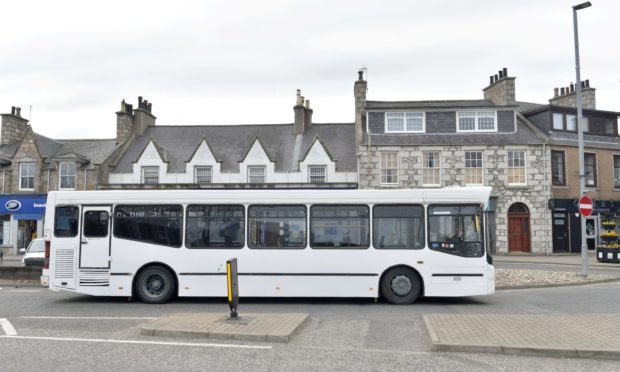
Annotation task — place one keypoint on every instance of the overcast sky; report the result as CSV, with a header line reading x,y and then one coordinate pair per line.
x,y
236,62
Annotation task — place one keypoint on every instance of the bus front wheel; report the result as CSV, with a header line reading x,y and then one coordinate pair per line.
x,y
155,285
401,286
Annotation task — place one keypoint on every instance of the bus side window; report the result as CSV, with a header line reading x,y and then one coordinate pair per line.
x,y
339,226
398,226
66,221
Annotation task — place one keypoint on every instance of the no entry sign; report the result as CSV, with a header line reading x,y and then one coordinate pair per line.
x,y
585,206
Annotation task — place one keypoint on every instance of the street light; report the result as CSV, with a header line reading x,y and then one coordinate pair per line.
x,y
582,175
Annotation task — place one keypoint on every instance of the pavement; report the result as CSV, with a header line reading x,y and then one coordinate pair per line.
x,y
250,327
554,259
566,336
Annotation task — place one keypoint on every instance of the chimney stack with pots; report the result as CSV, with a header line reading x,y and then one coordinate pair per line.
x,y
133,122
501,90
14,127
359,92
568,96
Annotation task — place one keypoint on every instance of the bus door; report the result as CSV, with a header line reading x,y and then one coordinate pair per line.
x,y
95,237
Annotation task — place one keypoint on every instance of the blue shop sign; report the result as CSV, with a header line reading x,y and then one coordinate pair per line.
x,y
23,207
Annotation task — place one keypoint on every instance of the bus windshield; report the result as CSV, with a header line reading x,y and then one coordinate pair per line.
x,y
456,230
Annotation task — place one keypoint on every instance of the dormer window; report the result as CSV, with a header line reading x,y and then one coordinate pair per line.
x,y
404,122
476,121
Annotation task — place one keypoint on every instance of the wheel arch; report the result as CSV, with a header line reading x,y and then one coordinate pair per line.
x,y
154,263
422,284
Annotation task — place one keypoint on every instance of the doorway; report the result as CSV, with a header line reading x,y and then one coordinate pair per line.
x,y
518,228
561,232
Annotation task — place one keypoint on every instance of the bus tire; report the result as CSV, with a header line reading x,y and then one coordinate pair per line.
x,y
401,285
155,285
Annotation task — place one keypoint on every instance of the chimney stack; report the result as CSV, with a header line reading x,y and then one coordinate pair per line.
x,y
568,96
360,89
133,122
13,126
501,90
300,114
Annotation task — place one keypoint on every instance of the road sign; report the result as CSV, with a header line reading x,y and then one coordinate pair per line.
x,y
585,206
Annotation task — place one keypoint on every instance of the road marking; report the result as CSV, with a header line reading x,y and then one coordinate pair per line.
x,y
7,327
24,290
138,342
89,317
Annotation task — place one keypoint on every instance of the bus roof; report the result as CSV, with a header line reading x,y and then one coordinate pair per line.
x,y
477,195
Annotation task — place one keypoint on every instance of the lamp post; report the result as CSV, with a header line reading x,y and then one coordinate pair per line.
x,y
582,174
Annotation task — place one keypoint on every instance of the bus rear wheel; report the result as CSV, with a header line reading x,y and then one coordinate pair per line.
x,y
155,285
401,286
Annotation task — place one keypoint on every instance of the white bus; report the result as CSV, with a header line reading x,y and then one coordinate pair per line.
x,y
155,244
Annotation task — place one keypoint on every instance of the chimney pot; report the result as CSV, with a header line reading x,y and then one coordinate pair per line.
x,y
555,92
300,101
150,106
360,74
562,91
572,87
490,79
12,110
496,77
18,111
501,74
505,71
139,101
587,83
308,104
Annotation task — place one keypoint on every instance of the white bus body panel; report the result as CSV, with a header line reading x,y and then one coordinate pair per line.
x,y
296,272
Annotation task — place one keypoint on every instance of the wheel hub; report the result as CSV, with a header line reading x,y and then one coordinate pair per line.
x,y
401,285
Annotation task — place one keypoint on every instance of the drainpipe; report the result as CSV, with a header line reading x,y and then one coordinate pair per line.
x,y
48,180
85,177
546,197
3,178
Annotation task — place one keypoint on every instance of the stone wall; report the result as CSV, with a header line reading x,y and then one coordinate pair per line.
x,y
495,163
588,99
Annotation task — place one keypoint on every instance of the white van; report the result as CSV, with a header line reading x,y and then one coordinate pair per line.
x,y
34,255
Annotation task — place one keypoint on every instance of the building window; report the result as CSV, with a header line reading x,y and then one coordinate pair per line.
x,y
431,168
516,168
317,174
67,176
473,168
150,175
558,121
202,175
558,169
389,168
617,171
476,121
404,122
571,123
256,174
26,176
590,168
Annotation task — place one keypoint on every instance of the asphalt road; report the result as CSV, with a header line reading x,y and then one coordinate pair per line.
x,y
63,331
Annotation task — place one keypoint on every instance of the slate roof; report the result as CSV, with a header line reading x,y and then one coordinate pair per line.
x,y
95,151
230,143
523,136
452,104
529,106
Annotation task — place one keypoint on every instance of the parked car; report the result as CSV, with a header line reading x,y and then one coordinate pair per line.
x,y
34,255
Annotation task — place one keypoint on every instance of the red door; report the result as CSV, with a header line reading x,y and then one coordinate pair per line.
x,y
518,228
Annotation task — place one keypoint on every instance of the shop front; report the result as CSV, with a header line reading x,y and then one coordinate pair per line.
x,y
566,228
21,220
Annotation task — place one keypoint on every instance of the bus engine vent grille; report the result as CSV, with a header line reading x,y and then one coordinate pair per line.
x,y
95,278
64,264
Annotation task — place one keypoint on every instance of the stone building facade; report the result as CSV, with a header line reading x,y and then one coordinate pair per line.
x,y
31,165
510,154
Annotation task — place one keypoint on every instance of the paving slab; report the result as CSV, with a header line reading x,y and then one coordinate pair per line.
x,y
573,336
248,327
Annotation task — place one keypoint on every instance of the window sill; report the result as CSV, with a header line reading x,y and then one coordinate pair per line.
x,y
517,186
432,185
390,185
560,187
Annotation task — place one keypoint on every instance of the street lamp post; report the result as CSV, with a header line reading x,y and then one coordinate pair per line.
x,y
582,173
